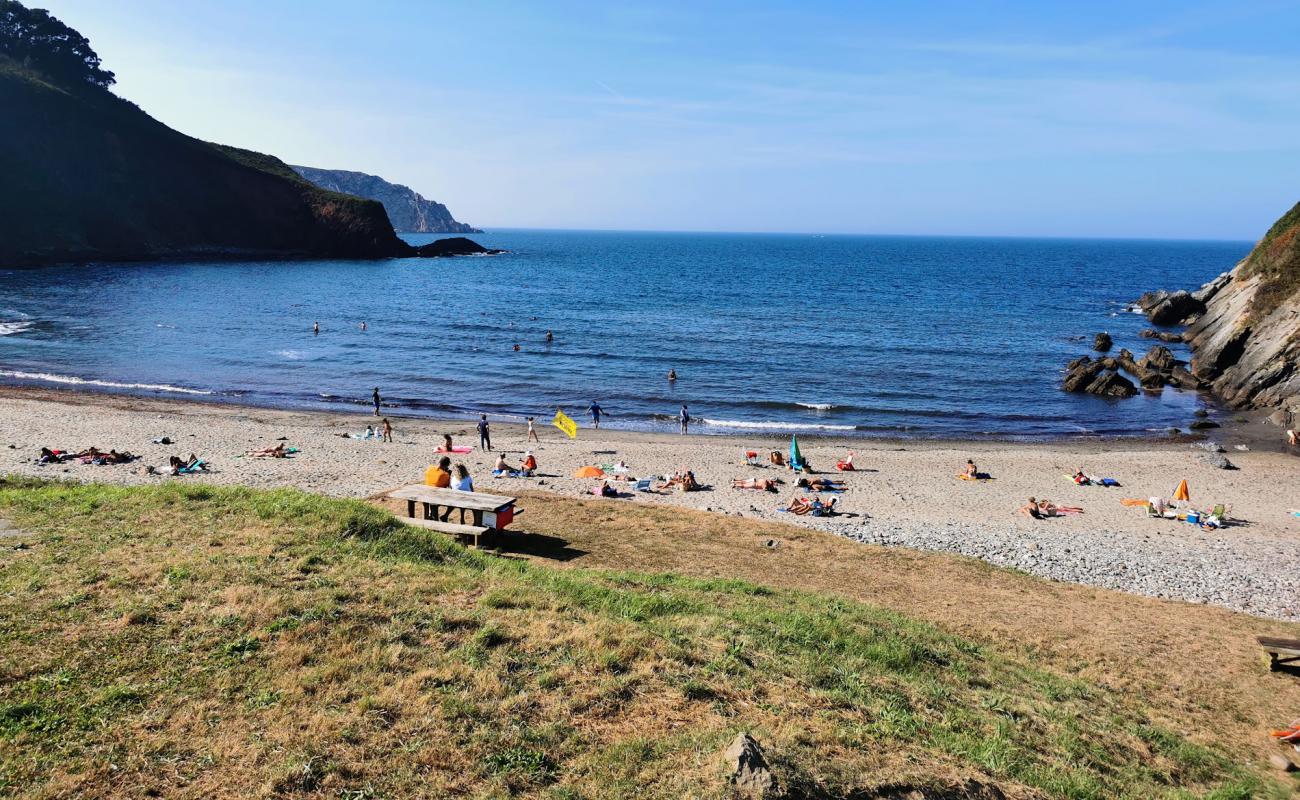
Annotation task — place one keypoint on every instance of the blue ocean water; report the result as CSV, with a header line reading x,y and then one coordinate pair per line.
x,y
873,335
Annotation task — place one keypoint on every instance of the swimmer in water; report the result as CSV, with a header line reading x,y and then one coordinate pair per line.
x,y
516,348
672,374
550,337
315,327
363,324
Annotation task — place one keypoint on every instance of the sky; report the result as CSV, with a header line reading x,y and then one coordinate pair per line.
x,y
1099,119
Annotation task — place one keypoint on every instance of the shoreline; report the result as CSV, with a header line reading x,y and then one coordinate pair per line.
x,y
905,493
1242,426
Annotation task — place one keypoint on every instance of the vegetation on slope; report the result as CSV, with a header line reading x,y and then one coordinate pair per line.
x,y
225,641
1277,260
89,176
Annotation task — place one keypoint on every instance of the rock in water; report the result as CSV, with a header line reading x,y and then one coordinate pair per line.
x,y
1164,336
1203,424
1102,342
1159,358
455,246
747,769
1176,309
1112,384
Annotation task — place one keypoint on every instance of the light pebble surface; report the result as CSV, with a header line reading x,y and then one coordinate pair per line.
x,y
905,494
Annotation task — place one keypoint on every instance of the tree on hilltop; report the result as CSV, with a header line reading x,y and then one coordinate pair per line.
x,y
35,39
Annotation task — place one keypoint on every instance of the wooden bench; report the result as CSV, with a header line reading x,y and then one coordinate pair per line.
x,y
432,508
471,532
1282,652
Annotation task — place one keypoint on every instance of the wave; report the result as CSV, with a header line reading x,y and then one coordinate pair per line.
x,y
780,426
75,381
817,406
15,326
290,355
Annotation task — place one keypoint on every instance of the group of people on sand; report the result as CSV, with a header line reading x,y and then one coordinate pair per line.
x,y
526,468
91,455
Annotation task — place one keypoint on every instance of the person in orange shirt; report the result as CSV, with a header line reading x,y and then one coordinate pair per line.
x,y
530,464
439,476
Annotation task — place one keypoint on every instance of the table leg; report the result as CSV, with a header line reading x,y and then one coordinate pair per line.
x,y
410,509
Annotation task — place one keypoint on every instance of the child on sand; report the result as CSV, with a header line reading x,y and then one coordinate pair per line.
x,y
388,430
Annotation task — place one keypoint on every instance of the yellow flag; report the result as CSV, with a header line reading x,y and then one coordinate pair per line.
x,y
565,424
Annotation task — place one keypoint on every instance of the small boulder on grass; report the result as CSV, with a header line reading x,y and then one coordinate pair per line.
x,y
747,770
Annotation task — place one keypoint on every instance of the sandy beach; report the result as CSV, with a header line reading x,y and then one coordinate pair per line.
x,y
905,493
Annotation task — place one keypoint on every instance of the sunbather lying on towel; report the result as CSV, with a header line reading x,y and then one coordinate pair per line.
x,y
821,484
1049,509
605,490
94,456
683,478
49,456
279,451
805,506
764,484
1030,509
180,466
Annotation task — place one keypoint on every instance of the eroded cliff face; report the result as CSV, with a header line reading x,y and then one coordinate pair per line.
x,y
1247,341
409,211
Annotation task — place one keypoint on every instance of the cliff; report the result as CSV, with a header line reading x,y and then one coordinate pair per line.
x,y
1246,341
88,176
407,209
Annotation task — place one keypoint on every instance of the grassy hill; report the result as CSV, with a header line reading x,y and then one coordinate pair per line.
x,y
85,175
204,641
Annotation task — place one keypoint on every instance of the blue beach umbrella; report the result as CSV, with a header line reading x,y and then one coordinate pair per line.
x,y
795,458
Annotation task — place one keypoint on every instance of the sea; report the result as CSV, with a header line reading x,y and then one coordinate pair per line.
x,y
884,336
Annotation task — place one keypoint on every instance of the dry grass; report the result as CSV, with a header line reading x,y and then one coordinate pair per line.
x,y
198,641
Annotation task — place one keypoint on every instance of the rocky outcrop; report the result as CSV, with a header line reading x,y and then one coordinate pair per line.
x,y
1102,342
1097,377
455,246
407,209
1170,308
1172,337
1246,343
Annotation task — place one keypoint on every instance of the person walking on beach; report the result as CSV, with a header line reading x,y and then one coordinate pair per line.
x,y
684,418
484,435
532,432
595,411
388,430
375,396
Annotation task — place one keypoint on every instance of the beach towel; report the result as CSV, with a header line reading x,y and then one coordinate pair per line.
x,y
197,466
979,476
459,449
1134,502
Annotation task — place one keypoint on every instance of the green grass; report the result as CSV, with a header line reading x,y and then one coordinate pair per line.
x,y
226,641
1276,260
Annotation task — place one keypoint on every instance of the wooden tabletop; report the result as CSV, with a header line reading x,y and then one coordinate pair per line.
x,y
475,501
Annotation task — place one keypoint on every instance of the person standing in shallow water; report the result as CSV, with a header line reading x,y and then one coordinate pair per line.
x,y
315,327
375,396
484,435
595,411
684,418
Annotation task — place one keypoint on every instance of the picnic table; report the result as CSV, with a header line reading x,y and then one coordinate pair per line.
x,y
475,513
1282,652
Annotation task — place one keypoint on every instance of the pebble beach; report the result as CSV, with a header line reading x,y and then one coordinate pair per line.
x,y
904,494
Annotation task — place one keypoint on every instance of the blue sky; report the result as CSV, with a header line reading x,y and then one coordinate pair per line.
x,y
1147,119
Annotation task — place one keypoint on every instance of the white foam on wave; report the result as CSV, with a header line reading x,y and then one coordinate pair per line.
x,y
817,406
11,327
75,381
779,426
291,355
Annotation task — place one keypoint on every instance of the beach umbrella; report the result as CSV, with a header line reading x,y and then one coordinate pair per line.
x,y
1182,492
589,472
795,458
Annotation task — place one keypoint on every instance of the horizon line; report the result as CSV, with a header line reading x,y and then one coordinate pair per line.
x,y
487,230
